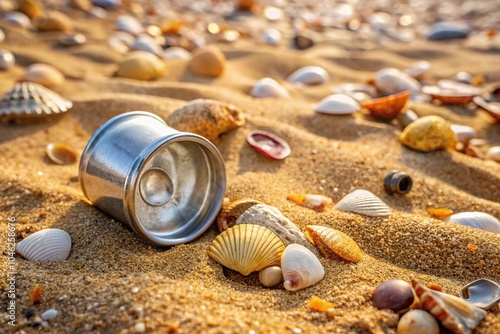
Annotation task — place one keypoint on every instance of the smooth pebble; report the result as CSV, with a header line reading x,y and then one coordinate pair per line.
x,y
6,60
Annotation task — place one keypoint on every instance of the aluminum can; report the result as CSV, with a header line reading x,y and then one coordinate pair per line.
x,y
168,186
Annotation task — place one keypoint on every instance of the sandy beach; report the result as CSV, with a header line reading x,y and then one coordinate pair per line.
x,y
113,282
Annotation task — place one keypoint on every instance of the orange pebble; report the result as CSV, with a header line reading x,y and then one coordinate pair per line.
x,y
472,248
35,295
319,305
439,213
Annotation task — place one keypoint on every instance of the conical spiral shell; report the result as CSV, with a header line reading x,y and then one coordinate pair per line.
x,y
49,245
363,202
300,267
246,248
331,242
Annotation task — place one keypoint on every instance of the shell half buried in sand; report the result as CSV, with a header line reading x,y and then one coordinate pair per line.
x,y
48,245
363,202
454,313
230,212
479,220
429,133
332,243
309,75
311,201
29,99
337,104
300,267
246,248
267,87
207,118
61,154
449,96
492,108
387,108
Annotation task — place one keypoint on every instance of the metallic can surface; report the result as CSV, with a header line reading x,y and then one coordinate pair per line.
x,y
168,186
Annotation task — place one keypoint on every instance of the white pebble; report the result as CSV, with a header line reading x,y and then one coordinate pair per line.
x,y
140,327
134,289
49,314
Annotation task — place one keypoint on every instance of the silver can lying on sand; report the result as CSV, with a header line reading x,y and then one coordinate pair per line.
x,y
168,186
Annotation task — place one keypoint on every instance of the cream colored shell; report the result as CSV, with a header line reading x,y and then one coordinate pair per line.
x,y
300,267
246,248
363,202
332,243
49,245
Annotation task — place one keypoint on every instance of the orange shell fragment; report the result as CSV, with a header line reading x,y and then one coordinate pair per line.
x,y
472,248
311,201
332,243
319,305
439,213
35,295
388,107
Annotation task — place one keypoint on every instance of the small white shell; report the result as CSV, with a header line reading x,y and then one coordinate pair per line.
x,y
129,24
271,36
479,220
300,267
148,44
267,87
337,104
175,52
6,60
270,276
392,81
49,245
493,153
418,322
2,35
458,87
363,202
18,19
309,75
49,314
418,69
464,133
43,74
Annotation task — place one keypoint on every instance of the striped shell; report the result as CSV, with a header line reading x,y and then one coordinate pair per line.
x,y
454,313
332,243
388,107
246,248
309,75
479,220
363,202
49,245
232,211
300,267
28,99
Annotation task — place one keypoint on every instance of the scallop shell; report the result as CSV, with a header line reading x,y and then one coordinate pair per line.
x,y
300,267
61,154
267,87
332,243
387,108
272,219
28,99
363,202
454,313
337,104
208,61
141,65
428,134
479,220
309,75
43,74
232,211
393,81
49,245
208,118
246,248
418,322
270,276
311,201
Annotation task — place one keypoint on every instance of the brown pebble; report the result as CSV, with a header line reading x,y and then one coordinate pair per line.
x,y
208,61
395,295
31,8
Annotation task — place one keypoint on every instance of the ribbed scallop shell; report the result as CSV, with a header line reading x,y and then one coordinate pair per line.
x,y
332,243
49,245
232,211
28,99
300,267
479,220
363,202
246,248
309,75
454,313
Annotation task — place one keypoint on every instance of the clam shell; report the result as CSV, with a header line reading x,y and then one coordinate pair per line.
x,y
479,220
482,293
271,36
349,88
17,18
208,61
332,243
49,245
272,219
309,75
454,313
54,21
300,267
448,96
387,108
428,134
418,69
337,104
61,154
311,201
268,144
493,153
363,202
267,87
141,65
230,212
148,44
246,248
464,133
43,74
208,118
7,60
270,276
392,81
129,24
30,99
418,322
492,108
